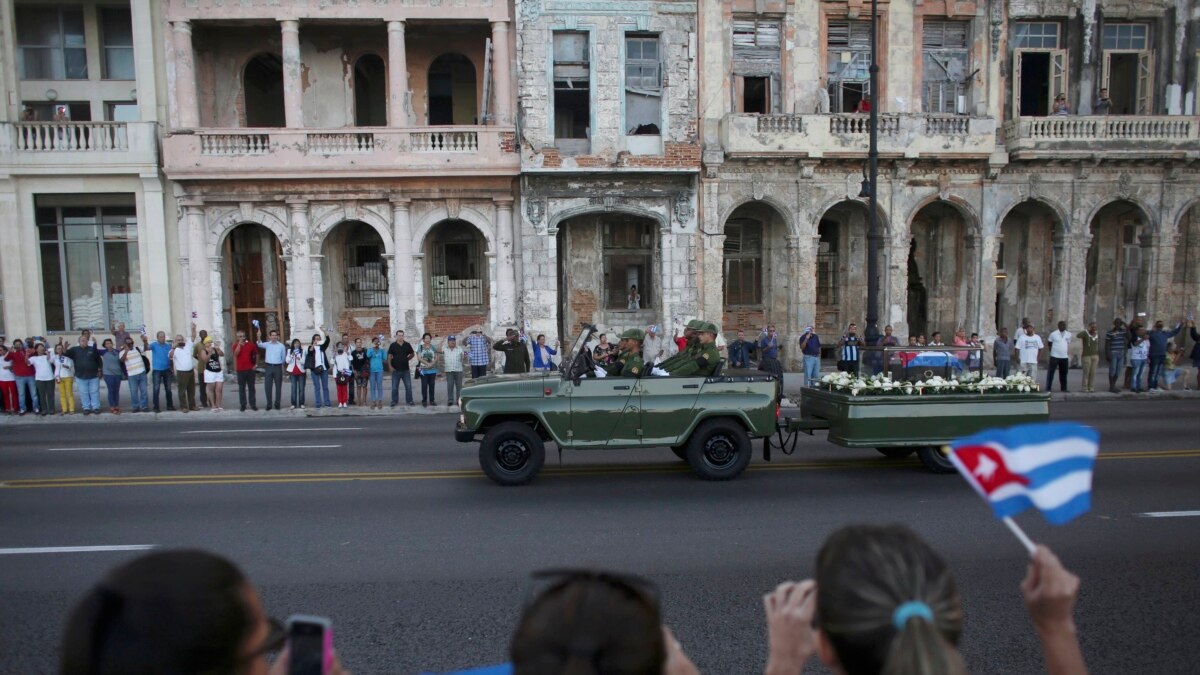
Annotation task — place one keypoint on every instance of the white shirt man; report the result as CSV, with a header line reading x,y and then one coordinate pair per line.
x,y
656,349
182,357
1060,343
1028,346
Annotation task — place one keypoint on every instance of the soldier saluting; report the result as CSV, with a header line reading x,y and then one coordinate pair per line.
x,y
704,362
629,363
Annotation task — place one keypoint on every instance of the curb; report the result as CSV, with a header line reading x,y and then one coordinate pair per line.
x,y
205,414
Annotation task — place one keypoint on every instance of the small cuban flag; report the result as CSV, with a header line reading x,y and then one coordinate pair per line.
x,y
1048,466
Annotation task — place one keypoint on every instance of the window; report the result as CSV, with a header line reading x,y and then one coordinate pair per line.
x,y
628,258
572,92
756,65
743,263
457,277
366,275
1129,36
944,65
90,272
121,111
848,59
643,85
42,111
827,264
50,43
1036,36
116,25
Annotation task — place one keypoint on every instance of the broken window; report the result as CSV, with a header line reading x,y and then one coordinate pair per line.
x,y
1039,67
848,59
457,276
643,85
262,88
1128,68
572,92
366,274
756,66
743,262
628,259
827,263
944,65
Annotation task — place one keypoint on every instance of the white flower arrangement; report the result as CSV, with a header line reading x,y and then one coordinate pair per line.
x,y
969,383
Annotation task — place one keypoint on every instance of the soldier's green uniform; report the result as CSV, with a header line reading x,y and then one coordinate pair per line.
x,y
704,362
629,363
689,352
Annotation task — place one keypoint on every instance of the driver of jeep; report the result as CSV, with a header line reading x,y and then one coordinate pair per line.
x,y
706,359
629,362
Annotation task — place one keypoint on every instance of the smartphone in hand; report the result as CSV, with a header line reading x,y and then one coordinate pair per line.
x,y
310,645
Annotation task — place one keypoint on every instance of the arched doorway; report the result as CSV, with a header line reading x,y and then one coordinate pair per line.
x,y
457,277
601,258
356,289
1026,279
755,246
1186,275
370,91
1114,264
452,91
842,268
938,284
262,90
254,280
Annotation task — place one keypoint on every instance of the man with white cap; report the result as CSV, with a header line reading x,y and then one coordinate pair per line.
x,y
655,348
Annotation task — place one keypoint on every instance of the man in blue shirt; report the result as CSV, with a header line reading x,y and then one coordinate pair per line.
x,y
810,347
1158,350
740,351
160,365
274,352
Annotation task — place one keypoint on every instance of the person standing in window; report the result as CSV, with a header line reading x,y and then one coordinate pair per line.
x,y
543,355
316,361
1060,106
110,359
43,375
214,373
376,356
1103,105
635,299
427,369
87,374
452,363
135,372
294,361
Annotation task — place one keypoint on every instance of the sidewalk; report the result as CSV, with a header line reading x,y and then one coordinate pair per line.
x,y
792,383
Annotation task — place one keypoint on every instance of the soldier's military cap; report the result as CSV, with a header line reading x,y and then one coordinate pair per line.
x,y
708,327
695,324
634,334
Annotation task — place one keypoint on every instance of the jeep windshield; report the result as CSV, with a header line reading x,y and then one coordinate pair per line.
x,y
580,356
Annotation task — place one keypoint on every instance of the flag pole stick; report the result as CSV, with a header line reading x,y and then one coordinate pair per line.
x,y
1019,534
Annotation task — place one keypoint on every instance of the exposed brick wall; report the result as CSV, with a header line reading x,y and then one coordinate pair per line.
x,y
675,155
583,307
452,324
351,322
508,141
749,320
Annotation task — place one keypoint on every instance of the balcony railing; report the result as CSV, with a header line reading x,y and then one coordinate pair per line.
x,y
847,134
107,145
263,152
1121,134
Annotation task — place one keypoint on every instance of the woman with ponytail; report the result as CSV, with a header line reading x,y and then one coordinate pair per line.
x,y
884,603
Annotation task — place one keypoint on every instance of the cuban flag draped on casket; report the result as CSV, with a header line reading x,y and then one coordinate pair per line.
x,y
1047,466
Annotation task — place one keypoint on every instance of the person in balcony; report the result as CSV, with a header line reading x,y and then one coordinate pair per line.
x,y
29,114
1060,106
864,105
1103,104
635,298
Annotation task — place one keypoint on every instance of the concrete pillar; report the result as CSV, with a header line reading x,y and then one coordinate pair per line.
x,y
667,246
199,310
501,73
186,103
143,54
397,75
418,289
403,317
791,332
317,279
152,251
293,92
493,293
216,327
987,290
300,270
505,280
289,283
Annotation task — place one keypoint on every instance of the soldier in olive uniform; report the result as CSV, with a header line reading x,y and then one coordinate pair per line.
x,y
629,363
706,359
689,352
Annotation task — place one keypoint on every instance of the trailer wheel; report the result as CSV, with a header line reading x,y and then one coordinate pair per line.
x,y
719,450
933,459
511,453
896,453
680,451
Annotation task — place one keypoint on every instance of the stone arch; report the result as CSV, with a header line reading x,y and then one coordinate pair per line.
x,y
566,214
323,225
784,212
832,202
1177,218
965,209
1151,222
1064,219
440,214
942,257
225,223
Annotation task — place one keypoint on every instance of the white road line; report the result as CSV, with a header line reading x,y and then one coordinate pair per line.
x,y
1170,514
270,430
198,447
76,549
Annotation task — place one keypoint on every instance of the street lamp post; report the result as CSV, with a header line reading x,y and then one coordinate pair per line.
x,y
873,237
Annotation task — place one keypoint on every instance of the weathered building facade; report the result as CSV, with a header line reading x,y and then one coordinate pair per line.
x,y
992,210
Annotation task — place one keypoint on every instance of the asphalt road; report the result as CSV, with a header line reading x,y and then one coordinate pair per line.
x,y
387,526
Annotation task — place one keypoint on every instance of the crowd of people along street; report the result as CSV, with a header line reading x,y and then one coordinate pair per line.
x,y
189,372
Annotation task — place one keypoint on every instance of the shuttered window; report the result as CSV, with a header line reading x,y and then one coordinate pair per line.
x,y
756,65
944,64
848,63
743,263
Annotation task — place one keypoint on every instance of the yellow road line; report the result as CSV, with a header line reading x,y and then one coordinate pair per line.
x,y
269,478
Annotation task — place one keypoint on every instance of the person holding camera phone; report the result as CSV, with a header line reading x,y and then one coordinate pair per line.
x,y
316,361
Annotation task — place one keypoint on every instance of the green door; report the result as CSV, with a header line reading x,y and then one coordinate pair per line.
x,y
667,404
597,406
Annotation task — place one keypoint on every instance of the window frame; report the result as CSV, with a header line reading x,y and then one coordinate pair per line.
x,y
657,88
610,251
571,144
106,48
860,58
475,257
948,87
755,58
739,258
1041,46
58,51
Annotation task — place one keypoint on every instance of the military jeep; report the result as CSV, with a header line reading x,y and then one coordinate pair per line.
x,y
707,421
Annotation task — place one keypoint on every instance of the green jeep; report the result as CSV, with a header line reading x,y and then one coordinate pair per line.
x,y
707,421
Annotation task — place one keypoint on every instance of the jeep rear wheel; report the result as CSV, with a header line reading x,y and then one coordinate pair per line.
x,y
511,453
719,450
933,459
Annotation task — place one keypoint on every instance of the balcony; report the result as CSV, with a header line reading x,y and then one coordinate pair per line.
x,y
1115,136
78,147
341,153
847,135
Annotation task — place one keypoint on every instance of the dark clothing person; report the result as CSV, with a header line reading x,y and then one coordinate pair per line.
x,y
398,356
740,353
516,355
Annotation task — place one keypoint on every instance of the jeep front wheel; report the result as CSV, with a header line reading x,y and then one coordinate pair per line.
x,y
931,456
511,453
719,450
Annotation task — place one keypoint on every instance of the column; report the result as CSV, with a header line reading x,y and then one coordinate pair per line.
x,y
791,331
299,271
418,287
216,327
397,76
143,54
317,279
403,317
197,268
152,250
185,76
505,279
289,283
493,295
501,73
987,291
293,94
